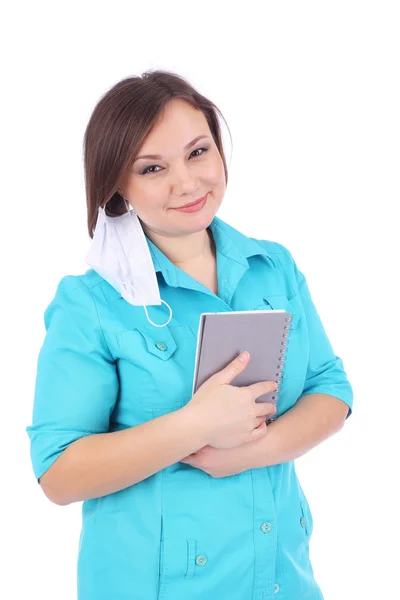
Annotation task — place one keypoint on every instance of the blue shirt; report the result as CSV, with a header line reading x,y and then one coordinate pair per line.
x,y
181,534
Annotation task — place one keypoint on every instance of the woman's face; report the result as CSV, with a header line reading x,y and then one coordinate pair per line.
x,y
155,187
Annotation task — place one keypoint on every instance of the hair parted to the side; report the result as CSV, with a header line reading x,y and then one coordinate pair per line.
x,y
118,126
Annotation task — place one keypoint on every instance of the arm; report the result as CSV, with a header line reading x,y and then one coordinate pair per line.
x,y
101,464
327,398
74,455
321,410
313,418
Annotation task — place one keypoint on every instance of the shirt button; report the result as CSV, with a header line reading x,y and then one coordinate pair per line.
x,y
302,522
276,588
161,346
266,527
201,560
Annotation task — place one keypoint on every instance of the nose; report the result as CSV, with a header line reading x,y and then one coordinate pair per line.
x,y
183,181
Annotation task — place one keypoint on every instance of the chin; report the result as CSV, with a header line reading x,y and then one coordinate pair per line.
x,y
200,221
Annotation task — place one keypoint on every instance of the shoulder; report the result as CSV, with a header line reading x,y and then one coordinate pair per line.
x,y
75,295
279,251
85,282
280,254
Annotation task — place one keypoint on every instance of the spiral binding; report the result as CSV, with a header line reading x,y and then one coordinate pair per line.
x,y
282,358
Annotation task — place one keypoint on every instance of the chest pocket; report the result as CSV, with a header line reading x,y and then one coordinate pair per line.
x,y
296,357
161,361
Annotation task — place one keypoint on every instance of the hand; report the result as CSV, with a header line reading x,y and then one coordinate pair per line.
x,y
228,415
223,462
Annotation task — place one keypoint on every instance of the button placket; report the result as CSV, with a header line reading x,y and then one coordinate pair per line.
x,y
303,520
266,527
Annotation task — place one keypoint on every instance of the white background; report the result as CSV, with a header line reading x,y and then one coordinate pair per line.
x,y
310,91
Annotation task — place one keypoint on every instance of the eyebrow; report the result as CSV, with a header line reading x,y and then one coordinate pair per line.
x,y
158,156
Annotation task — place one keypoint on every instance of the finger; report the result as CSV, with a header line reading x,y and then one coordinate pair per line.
x,y
265,408
233,369
262,387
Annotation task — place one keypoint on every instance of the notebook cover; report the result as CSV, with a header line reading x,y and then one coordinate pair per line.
x,y
223,336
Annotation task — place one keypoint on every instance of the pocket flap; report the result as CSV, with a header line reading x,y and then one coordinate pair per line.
x,y
282,302
159,341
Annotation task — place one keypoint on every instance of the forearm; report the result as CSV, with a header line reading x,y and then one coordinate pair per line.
x,y
313,418
101,464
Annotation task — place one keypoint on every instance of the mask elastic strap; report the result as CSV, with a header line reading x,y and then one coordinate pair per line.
x,y
155,324
145,309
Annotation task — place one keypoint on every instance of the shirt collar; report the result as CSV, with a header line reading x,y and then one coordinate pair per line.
x,y
228,241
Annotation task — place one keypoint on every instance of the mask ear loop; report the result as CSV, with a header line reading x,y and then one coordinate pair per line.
x,y
127,284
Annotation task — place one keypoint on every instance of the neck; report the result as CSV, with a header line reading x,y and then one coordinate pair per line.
x,y
186,250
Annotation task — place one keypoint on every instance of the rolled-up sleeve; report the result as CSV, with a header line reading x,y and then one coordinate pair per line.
x,y
325,370
76,380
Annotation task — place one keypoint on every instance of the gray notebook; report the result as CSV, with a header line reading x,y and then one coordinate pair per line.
x,y
222,336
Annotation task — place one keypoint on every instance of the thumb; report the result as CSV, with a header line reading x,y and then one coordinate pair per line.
x,y
233,369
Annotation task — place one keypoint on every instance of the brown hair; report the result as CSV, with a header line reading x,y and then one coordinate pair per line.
x,y
118,126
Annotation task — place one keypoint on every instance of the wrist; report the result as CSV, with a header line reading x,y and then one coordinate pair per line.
x,y
196,423
260,449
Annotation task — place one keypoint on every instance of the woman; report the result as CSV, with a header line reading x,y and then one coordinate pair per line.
x,y
185,498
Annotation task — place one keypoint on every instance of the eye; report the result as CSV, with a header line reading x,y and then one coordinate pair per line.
x,y
147,169
204,150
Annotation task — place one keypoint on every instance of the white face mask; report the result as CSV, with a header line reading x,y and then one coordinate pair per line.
x,y
120,254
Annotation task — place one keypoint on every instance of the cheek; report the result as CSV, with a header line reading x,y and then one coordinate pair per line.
x,y
148,203
215,173
148,194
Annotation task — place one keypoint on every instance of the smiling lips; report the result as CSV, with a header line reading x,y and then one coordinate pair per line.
x,y
193,206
